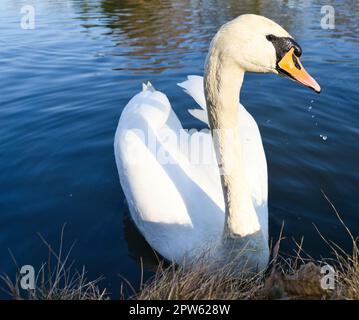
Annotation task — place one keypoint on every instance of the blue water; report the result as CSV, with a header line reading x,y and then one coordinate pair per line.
x,y
63,86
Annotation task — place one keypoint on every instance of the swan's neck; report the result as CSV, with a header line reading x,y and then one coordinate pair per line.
x,y
222,82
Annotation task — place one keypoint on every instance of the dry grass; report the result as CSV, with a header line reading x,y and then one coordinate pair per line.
x,y
199,282
347,264
56,280
287,277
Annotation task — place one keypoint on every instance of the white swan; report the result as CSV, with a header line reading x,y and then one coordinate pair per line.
x,y
183,207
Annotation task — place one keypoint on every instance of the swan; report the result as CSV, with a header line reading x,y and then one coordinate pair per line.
x,y
183,207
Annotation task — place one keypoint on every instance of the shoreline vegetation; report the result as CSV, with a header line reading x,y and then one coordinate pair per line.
x,y
287,277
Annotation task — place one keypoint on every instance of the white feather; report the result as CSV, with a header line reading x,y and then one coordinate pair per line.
x,y
179,206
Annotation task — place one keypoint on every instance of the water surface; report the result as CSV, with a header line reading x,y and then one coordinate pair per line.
x,y
64,84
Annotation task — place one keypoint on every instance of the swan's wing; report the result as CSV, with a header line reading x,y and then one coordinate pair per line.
x,y
174,203
194,87
199,114
251,141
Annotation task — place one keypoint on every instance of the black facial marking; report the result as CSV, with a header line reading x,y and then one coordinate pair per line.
x,y
270,37
283,44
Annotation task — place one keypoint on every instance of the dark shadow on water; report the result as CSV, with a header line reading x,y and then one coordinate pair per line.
x,y
137,245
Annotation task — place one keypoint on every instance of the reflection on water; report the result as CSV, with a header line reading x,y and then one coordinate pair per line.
x,y
160,34
65,83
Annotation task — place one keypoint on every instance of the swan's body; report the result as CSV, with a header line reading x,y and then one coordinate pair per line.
x,y
179,206
185,207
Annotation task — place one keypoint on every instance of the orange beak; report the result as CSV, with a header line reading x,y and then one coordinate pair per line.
x,y
291,66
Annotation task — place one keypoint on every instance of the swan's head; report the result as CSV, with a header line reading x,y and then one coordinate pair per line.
x,y
257,44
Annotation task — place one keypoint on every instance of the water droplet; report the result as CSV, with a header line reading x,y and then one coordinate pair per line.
x,y
324,137
310,108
